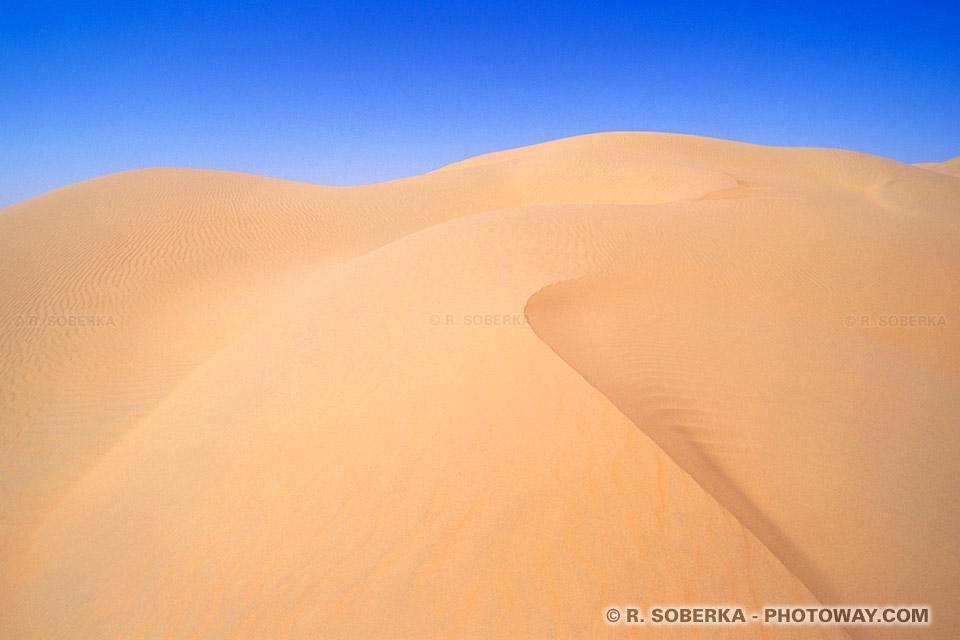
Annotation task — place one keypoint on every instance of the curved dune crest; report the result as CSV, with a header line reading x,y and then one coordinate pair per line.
x,y
492,400
950,167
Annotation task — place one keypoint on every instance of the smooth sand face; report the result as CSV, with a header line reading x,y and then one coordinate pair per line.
x,y
950,167
489,401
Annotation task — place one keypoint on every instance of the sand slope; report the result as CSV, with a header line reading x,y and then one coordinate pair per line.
x,y
296,410
950,167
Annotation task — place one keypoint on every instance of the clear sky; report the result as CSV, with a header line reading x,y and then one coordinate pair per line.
x,y
349,93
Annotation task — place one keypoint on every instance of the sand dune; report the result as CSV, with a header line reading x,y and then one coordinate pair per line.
x,y
950,167
489,401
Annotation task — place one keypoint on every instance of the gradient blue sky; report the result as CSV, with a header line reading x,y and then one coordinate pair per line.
x,y
348,93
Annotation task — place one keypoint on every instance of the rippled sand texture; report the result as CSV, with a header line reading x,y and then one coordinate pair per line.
x,y
303,411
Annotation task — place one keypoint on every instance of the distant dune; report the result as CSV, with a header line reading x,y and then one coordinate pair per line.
x,y
950,167
489,401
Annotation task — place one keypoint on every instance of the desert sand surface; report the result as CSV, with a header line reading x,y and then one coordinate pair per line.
x,y
489,401
950,167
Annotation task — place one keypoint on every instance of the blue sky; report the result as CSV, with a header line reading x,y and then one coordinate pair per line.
x,y
349,93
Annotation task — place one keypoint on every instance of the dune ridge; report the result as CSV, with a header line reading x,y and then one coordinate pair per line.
x,y
948,167
490,400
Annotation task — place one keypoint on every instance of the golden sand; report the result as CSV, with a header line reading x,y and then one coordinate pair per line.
x,y
488,401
